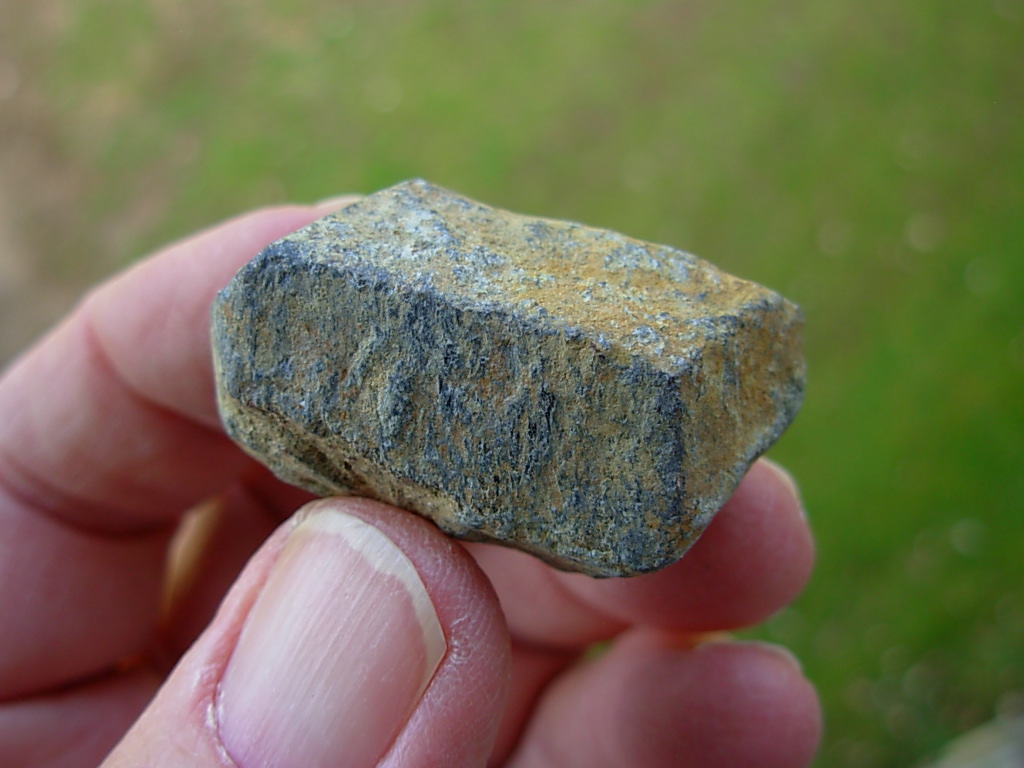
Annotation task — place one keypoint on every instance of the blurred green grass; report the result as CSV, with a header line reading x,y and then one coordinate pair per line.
x,y
865,158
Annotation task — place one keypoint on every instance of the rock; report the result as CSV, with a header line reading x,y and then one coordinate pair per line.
x,y
565,390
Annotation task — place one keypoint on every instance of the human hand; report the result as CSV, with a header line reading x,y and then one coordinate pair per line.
x,y
357,635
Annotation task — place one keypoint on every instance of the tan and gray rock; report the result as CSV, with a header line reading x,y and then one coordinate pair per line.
x,y
565,390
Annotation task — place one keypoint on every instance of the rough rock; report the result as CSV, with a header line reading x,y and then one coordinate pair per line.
x,y
569,391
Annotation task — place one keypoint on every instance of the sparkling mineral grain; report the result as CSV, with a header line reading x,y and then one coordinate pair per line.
x,y
569,391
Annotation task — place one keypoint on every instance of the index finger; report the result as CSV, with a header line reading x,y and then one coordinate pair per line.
x,y
107,436
110,423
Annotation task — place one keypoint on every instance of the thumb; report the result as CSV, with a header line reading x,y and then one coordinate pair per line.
x,y
357,636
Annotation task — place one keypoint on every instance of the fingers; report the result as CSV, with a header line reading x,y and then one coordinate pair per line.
x,y
358,635
539,608
74,604
532,669
209,551
73,728
104,442
753,559
110,422
646,703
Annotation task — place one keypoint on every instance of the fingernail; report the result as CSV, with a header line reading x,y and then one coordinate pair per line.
x,y
780,651
787,479
335,653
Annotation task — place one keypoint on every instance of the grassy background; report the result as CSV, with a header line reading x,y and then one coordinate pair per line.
x,y
864,157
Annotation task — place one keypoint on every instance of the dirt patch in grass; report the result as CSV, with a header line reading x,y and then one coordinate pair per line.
x,y
34,288
43,233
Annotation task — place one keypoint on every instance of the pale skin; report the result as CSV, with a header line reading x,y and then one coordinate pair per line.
x,y
109,434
